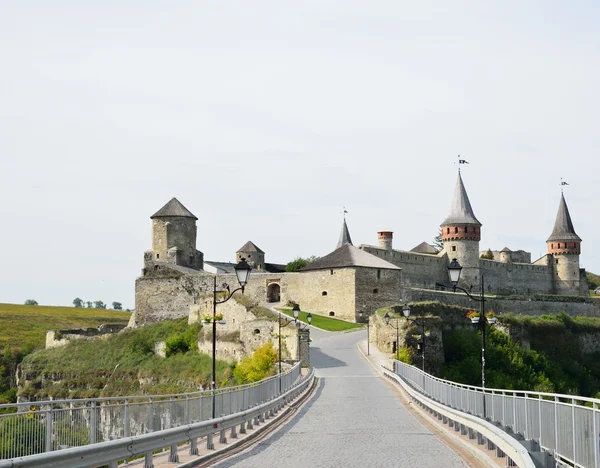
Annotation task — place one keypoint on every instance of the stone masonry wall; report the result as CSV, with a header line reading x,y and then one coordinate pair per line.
x,y
376,288
418,270
504,306
515,278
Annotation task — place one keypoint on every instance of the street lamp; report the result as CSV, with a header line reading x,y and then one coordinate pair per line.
x,y
397,328
242,272
454,270
422,336
296,313
360,314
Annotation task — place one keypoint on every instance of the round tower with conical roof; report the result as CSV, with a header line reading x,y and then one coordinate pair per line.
x,y
174,236
461,233
565,247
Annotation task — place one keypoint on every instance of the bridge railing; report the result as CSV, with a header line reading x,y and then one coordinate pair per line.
x,y
44,426
566,425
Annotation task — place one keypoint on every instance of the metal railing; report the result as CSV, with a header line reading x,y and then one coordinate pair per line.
x,y
45,426
112,452
565,425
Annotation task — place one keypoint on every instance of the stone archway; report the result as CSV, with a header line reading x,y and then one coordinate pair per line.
x,y
273,292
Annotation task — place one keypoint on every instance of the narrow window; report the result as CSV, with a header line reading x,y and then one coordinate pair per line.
x,y
455,230
466,229
551,246
453,248
157,255
256,331
331,314
375,291
447,230
324,293
378,274
557,261
331,272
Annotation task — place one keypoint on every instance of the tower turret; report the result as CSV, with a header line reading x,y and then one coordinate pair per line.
x,y
565,247
254,255
461,233
386,238
174,237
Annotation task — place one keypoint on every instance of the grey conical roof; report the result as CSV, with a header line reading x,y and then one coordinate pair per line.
x,y
173,208
563,226
460,210
344,236
250,247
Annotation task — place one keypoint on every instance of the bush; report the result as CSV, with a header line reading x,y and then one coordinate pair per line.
x,y
257,367
406,354
176,344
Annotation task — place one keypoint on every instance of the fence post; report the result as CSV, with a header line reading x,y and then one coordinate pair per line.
x,y
540,417
171,410
93,423
556,424
595,438
49,417
573,403
126,423
187,417
151,416
526,418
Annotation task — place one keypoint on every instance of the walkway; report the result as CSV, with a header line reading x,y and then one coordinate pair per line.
x,y
355,420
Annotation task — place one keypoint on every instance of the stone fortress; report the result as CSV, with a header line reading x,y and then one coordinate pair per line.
x,y
351,283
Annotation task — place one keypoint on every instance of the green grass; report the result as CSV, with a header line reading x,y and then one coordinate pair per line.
x,y
86,368
21,324
325,323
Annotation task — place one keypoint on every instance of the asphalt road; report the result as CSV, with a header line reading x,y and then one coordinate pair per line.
x,y
355,419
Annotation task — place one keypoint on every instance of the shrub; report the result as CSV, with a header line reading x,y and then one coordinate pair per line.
x,y
257,367
406,354
176,344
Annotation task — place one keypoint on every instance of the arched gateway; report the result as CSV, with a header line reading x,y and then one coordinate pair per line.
x,y
273,292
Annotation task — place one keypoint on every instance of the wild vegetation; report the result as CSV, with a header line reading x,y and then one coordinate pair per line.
x,y
299,263
23,329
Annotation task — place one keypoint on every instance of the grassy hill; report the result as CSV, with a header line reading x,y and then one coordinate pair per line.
x,y
593,280
22,325
124,364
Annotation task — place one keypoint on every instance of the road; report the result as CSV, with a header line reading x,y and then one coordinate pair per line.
x,y
355,419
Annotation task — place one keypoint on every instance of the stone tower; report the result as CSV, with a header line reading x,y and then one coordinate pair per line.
x,y
344,236
461,233
174,237
253,255
386,238
565,247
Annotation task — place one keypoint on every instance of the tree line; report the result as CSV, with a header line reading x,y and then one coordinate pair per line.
x,y
81,304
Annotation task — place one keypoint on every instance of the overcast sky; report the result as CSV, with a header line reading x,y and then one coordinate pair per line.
x,y
265,118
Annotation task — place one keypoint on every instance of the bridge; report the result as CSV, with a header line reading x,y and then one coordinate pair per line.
x,y
349,410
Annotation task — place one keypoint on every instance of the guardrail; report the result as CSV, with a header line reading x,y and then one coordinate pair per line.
x,y
113,451
564,425
45,426
470,425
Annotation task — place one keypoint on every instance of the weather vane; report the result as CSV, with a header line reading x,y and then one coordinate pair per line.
x,y
562,184
345,212
460,162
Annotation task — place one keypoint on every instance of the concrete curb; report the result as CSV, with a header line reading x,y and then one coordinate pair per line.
x,y
256,434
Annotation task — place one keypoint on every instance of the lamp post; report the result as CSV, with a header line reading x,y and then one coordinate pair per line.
x,y
360,314
424,333
454,270
397,328
301,328
296,312
242,271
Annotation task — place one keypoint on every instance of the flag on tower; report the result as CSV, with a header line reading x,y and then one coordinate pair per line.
x,y
562,182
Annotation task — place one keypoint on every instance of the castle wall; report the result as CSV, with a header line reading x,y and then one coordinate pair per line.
x,y
418,270
375,289
504,306
172,231
307,288
515,278
567,271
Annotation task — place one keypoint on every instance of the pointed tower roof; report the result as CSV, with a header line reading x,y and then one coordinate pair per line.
x,y
344,236
250,247
173,208
460,210
563,226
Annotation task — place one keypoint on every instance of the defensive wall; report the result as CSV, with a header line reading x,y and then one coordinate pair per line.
x,y
523,305
418,270
515,278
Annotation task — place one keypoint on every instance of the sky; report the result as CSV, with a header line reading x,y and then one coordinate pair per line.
x,y
267,118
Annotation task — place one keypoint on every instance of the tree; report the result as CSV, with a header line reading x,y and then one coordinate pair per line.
x,y
31,302
99,305
300,263
438,243
89,304
117,306
77,302
489,255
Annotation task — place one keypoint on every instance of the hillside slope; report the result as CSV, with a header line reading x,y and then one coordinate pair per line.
x,y
22,325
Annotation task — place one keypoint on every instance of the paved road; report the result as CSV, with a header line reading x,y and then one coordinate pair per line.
x,y
354,420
